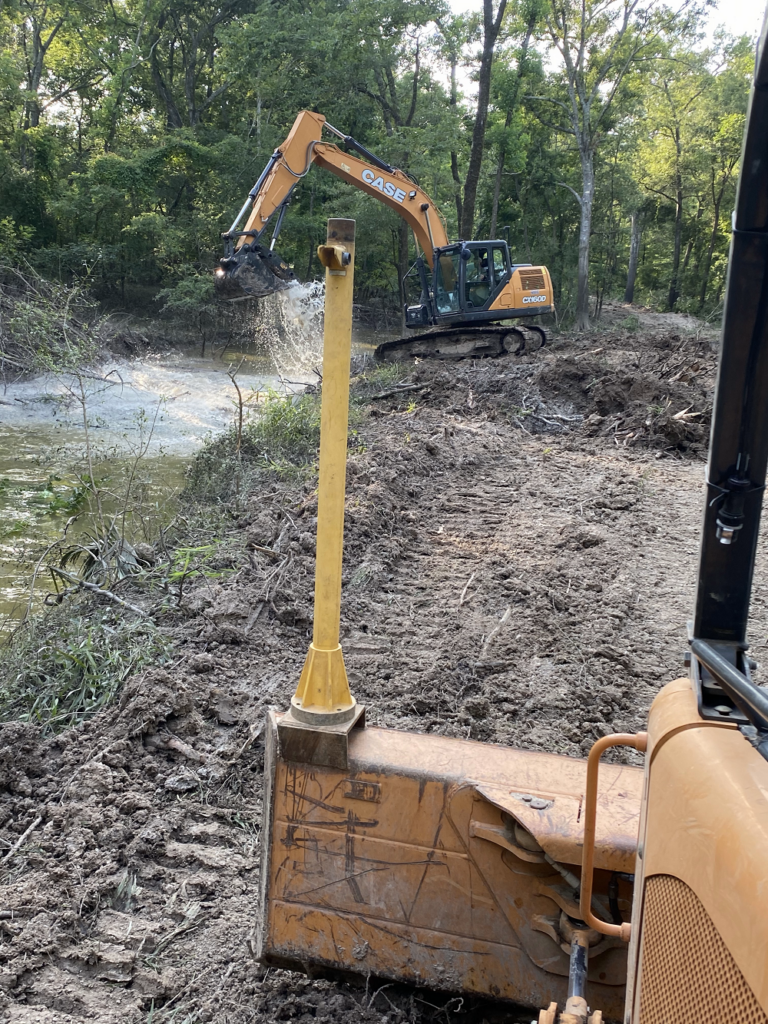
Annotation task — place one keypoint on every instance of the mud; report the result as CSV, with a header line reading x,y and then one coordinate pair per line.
x,y
520,564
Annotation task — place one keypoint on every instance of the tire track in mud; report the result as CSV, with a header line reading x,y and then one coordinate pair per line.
x,y
571,542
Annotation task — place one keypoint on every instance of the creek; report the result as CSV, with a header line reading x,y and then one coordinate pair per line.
x,y
132,426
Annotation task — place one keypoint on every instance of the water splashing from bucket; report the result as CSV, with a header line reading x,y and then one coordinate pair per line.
x,y
289,326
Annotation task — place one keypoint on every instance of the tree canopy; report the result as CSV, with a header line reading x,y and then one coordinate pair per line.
x,y
131,132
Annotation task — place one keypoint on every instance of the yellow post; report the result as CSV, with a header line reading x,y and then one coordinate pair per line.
x,y
323,695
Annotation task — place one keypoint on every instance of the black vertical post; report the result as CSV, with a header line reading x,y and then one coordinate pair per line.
x,y
738,455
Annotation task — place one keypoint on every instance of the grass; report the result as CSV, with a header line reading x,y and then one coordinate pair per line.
x,y
375,379
66,665
281,441
630,323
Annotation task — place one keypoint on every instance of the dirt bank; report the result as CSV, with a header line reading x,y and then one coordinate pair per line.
x,y
520,563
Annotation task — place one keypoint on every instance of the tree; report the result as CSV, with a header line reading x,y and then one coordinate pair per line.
x,y
634,254
694,106
678,83
130,134
509,95
599,42
183,43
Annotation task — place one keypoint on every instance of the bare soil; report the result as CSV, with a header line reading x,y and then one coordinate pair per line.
x,y
521,551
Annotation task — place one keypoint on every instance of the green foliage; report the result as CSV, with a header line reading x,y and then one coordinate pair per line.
x,y
282,439
200,560
129,141
44,324
630,323
67,664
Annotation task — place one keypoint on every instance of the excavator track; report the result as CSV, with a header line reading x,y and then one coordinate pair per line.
x,y
464,343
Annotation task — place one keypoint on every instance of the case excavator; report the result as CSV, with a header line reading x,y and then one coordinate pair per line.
x,y
465,293
582,891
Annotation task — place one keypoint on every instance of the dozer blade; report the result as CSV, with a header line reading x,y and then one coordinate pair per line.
x,y
440,862
252,273
463,343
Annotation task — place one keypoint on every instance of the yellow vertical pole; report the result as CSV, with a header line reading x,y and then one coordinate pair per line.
x,y
323,693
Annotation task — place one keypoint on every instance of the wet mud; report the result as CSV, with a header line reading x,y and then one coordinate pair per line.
x,y
520,563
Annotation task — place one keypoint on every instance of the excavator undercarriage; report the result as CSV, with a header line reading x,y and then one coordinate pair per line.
x,y
465,343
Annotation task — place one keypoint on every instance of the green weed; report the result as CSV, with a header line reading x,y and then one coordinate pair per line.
x,y
375,379
68,499
282,440
67,664
630,323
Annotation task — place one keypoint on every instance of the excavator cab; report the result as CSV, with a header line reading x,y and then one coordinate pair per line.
x,y
475,282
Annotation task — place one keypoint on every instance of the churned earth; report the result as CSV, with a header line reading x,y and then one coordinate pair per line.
x,y
520,562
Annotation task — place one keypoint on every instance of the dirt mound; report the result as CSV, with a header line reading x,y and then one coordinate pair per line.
x,y
652,392
657,396
506,578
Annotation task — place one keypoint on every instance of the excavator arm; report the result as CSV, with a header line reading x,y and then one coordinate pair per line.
x,y
252,268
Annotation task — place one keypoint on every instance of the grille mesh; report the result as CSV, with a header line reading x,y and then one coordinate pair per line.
x,y
531,280
687,975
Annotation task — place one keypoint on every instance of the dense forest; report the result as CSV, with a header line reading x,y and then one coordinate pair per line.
x,y
601,136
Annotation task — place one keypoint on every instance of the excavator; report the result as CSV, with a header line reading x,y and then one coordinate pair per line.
x,y
583,891
465,292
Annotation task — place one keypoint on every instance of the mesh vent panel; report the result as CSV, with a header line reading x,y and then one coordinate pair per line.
x,y
531,280
688,976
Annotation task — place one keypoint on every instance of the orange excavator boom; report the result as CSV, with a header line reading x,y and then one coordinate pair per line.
x,y
393,187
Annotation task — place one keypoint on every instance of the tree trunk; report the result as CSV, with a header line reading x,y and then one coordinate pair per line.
x,y
710,251
164,93
496,193
585,230
454,156
457,184
524,216
634,253
674,292
507,121
491,28
674,283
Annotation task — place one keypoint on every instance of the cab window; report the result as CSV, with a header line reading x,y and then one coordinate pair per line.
x,y
447,282
478,279
500,268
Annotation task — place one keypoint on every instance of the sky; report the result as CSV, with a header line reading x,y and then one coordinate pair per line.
x,y
739,17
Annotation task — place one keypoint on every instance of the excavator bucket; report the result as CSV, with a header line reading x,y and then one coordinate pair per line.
x,y
442,863
251,273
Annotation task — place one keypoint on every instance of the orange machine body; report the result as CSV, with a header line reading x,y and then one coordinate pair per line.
x,y
699,950
528,287
443,863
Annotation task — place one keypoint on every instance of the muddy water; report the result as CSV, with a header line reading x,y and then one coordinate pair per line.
x,y
141,421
